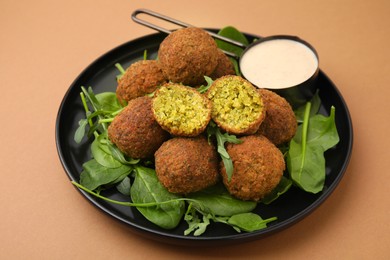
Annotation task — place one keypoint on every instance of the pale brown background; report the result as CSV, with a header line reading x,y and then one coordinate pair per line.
x,y
45,44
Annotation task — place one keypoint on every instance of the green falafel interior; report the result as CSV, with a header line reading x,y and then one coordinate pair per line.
x,y
237,105
181,110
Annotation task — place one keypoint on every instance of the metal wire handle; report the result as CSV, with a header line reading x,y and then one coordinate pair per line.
x,y
182,24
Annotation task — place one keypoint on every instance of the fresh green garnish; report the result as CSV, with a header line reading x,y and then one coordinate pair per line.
x,y
234,34
213,130
305,158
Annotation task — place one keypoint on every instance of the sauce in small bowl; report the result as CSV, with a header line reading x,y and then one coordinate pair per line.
x,y
282,63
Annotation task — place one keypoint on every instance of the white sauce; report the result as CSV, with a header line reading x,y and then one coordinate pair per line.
x,y
279,63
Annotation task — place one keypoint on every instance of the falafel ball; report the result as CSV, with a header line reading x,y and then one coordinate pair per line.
x,y
140,78
187,55
224,66
237,106
280,123
135,131
181,110
185,165
258,168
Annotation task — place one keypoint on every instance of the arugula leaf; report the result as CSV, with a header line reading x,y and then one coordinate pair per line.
x,y
249,221
202,89
195,224
213,129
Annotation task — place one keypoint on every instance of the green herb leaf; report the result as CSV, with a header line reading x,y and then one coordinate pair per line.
x,y
315,106
147,188
122,71
95,175
124,186
108,102
216,200
283,186
305,158
234,34
213,130
80,131
202,89
100,152
249,221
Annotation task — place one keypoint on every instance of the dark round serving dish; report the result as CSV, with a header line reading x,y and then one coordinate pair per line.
x,y
289,209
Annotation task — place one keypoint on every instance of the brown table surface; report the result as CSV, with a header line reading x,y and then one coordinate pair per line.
x,y
44,45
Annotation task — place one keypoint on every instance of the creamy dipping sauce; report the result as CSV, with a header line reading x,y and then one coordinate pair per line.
x,y
278,63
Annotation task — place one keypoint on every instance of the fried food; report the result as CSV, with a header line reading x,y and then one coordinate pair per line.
x,y
237,106
258,168
141,78
280,124
135,131
181,110
184,165
224,66
187,55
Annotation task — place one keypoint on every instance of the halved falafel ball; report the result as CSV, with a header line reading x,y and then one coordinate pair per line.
x,y
181,110
258,168
237,106
135,131
280,123
141,78
187,55
187,164
224,66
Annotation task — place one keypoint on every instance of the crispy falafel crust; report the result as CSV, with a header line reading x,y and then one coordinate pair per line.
x,y
224,66
237,106
184,165
258,168
187,55
280,123
135,131
141,78
181,110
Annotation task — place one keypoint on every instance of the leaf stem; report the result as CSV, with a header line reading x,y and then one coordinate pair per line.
x,y
305,127
129,204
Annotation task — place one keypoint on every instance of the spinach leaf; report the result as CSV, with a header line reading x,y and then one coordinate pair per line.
x,y
315,106
234,34
102,154
217,201
306,165
147,188
108,102
283,186
124,186
95,175
305,158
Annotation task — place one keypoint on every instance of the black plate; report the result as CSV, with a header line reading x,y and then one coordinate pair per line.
x,y
289,209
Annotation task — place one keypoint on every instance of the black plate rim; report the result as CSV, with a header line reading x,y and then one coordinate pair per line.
x,y
191,240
